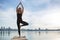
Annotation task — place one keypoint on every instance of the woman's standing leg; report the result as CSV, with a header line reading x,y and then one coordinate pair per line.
x,y
18,25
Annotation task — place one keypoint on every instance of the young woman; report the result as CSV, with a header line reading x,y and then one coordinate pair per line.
x,y
19,11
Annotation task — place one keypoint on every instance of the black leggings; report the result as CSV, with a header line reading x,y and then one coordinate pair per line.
x,y
19,20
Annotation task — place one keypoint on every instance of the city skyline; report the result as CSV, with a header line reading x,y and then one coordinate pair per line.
x,y
28,29
38,13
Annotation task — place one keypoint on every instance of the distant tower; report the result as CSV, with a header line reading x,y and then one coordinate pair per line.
x,y
4,28
1,27
9,29
39,28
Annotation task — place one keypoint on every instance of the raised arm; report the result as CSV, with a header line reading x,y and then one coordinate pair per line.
x,y
22,7
18,5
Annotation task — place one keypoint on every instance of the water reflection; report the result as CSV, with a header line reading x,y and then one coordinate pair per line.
x,y
39,32
3,33
31,35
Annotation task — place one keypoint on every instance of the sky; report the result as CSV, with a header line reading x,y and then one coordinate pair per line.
x,y
38,13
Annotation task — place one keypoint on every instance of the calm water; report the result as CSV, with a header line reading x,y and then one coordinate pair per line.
x,y
31,35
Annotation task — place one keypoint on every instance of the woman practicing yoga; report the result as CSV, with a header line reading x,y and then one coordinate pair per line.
x,y
19,11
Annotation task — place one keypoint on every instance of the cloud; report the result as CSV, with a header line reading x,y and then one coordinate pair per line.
x,y
46,18
35,5
39,2
9,17
52,17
